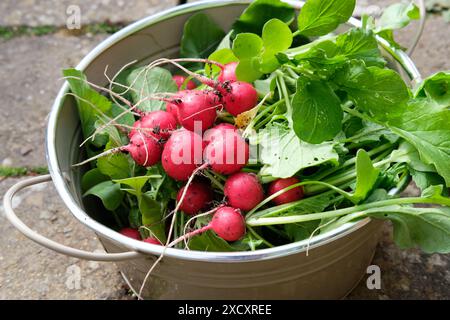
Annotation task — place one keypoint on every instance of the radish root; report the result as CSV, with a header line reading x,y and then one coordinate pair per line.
x,y
169,235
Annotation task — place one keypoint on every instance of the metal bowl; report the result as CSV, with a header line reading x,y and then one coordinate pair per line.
x,y
337,260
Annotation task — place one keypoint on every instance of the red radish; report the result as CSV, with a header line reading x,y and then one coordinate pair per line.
x,y
195,107
172,109
197,197
218,131
182,154
157,123
227,154
243,191
291,195
228,223
145,151
180,80
136,126
238,97
152,240
228,72
131,233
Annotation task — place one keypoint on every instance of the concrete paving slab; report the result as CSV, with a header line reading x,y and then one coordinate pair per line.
x,y
29,271
30,73
45,12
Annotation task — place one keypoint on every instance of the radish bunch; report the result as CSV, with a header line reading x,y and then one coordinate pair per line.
x,y
186,140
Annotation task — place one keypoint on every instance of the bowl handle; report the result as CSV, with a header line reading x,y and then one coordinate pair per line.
x,y
50,244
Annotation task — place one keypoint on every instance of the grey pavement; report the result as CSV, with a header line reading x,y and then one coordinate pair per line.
x,y
30,71
49,12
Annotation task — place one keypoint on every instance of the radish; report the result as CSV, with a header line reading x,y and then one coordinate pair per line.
x,y
243,191
144,149
227,154
291,195
152,240
194,107
228,73
228,223
238,97
182,154
131,233
172,109
218,131
159,123
198,196
180,80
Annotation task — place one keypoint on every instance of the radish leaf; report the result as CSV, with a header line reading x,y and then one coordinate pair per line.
x,y
427,228
283,154
259,12
109,192
316,112
201,36
319,17
144,83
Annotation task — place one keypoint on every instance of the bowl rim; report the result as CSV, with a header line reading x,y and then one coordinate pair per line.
x,y
58,177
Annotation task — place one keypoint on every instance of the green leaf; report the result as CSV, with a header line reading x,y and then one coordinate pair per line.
x,y
135,218
366,176
436,87
247,47
407,153
380,92
116,166
427,228
266,86
434,192
88,114
145,83
394,17
92,178
320,17
164,187
109,192
152,215
259,12
359,44
426,125
258,55
120,85
368,132
397,16
317,114
277,37
318,51
311,204
424,179
209,241
126,119
283,154
356,43
136,183
300,231
201,36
